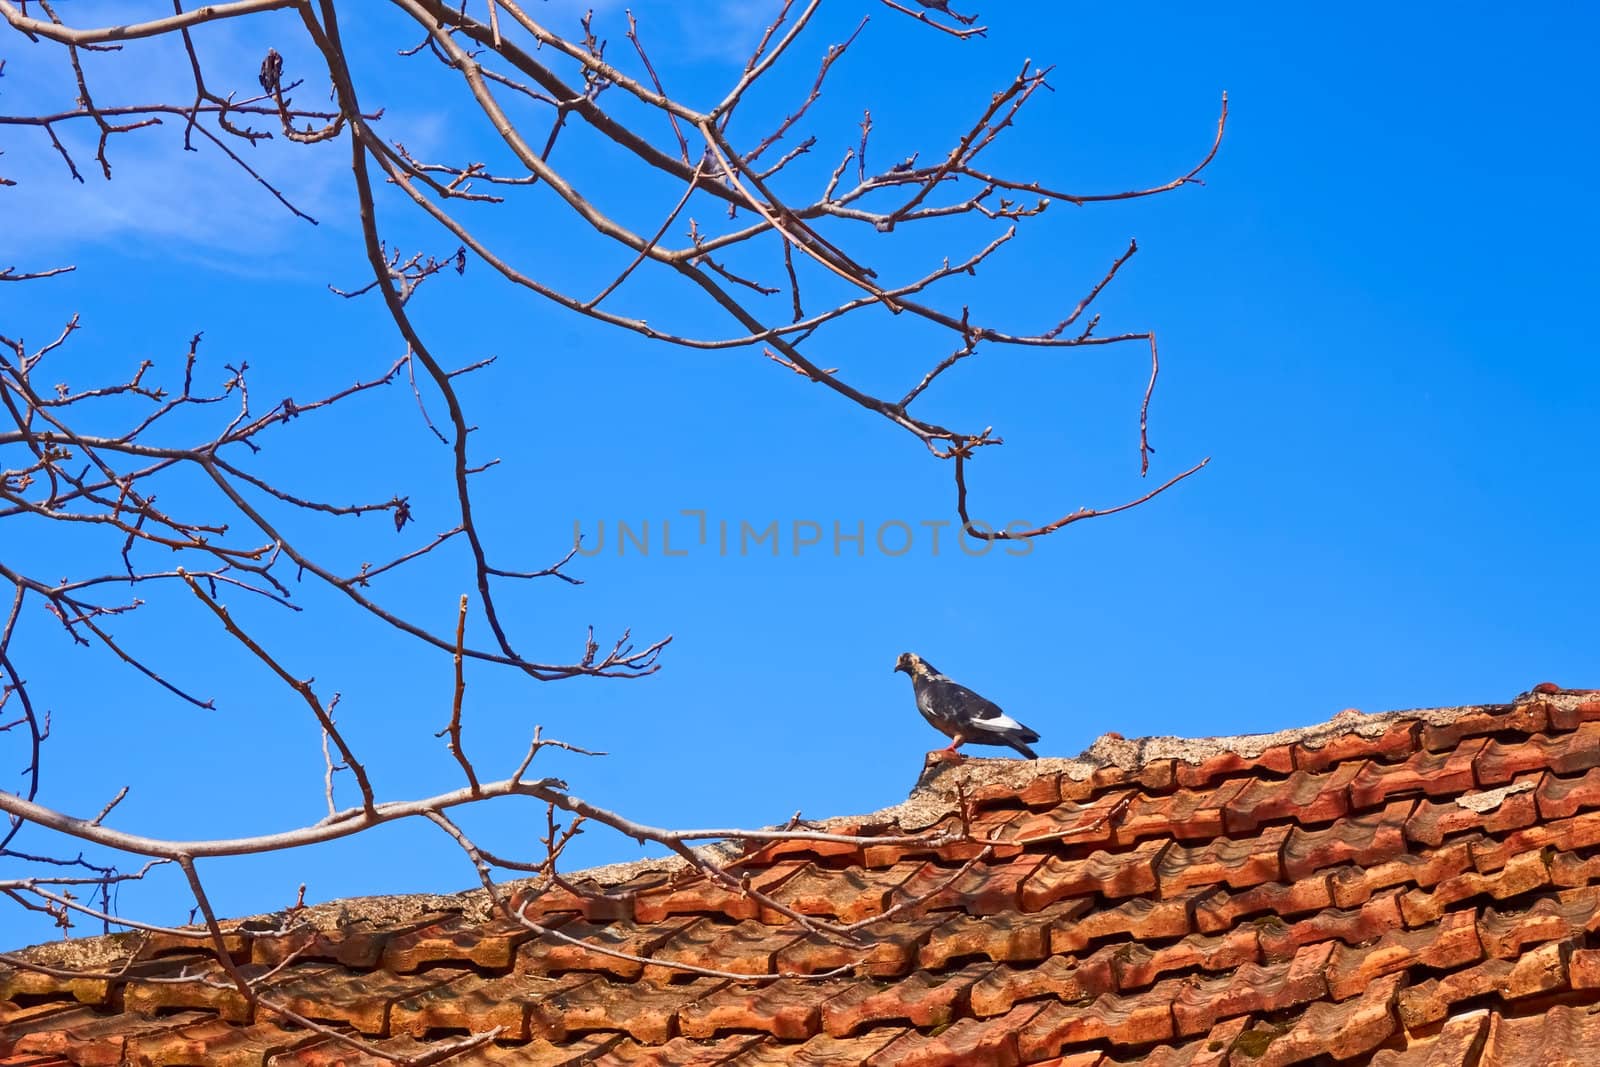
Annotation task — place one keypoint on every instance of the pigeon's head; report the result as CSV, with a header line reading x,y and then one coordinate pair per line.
x,y
909,662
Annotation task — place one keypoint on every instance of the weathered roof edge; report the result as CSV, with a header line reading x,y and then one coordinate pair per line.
x,y
934,798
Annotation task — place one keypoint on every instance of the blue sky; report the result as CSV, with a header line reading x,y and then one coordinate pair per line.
x,y
1372,317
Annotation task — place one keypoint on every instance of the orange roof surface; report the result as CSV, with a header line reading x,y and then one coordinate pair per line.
x,y
1406,888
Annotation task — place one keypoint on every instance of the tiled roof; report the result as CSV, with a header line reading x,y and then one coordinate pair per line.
x,y
1408,888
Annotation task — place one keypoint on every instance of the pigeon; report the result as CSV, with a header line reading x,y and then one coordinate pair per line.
x,y
959,713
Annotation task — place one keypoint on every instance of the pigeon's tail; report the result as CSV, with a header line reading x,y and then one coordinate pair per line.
x,y
1022,748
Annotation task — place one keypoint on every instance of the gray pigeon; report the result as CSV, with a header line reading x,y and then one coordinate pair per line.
x,y
959,713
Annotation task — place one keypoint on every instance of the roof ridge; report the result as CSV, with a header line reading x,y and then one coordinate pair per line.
x,y
937,793
935,789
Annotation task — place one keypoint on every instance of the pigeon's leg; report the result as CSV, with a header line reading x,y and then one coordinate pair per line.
x,y
950,752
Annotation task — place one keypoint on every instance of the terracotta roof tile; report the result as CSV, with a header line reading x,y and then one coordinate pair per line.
x,y
822,1050
1570,871
1562,1037
1277,760
218,1043
1084,824
643,1010
981,889
848,896
1566,835
1569,715
467,1000
1220,909
1112,875
1187,815
1134,965
1365,840
1077,1059
1528,717
1398,741
1505,934
1017,937
926,1000
1252,989
1150,776
601,904
356,944
1560,798
1411,888
747,947
1433,821
1311,798
1139,919
1341,1031
1352,884
215,993
14,1017
1211,1050
1458,1043
1002,987
992,1042
1522,873
327,1052
1238,863
492,945
1137,1019
1565,753
1427,1002
1425,773
891,951
19,985
769,855
1583,967
1352,926
790,1008
1451,943
703,897
88,1037
679,1052
327,994
579,1052
580,945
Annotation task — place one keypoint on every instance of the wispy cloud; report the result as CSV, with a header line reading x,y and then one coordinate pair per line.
x,y
200,205
204,204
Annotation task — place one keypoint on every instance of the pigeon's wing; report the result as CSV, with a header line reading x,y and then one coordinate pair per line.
x,y
1001,723
957,704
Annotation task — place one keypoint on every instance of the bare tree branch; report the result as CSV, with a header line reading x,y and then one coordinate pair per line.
x,y
97,458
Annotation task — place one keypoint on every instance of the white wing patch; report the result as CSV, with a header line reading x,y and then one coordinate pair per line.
x,y
1000,724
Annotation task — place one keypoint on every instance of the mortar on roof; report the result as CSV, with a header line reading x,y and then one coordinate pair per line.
x,y
1490,799
937,795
